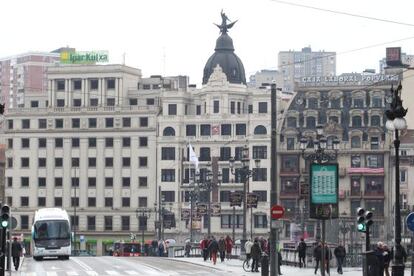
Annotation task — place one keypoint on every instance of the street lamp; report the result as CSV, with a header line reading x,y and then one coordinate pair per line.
x,y
320,155
245,173
192,195
143,214
396,122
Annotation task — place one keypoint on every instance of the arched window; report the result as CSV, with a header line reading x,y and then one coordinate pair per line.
x,y
355,142
260,130
375,120
168,131
310,122
330,140
334,119
356,121
291,122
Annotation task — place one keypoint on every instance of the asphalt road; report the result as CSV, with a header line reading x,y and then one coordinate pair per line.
x,y
108,266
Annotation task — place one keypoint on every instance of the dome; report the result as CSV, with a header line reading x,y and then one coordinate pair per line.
x,y
229,62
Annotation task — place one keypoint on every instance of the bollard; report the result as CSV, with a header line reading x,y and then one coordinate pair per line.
x,y
264,264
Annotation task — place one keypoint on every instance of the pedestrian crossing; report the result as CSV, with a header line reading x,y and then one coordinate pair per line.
x,y
79,273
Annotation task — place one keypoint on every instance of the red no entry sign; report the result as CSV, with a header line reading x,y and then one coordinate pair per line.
x,y
277,212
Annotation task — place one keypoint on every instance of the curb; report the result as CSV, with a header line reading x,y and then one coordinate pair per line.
x,y
197,264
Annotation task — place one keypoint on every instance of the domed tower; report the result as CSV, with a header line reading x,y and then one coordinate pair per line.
x,y
225,57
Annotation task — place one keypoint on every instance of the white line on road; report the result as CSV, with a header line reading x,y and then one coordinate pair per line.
x,y
131,272
51,273
92,273
82,264
71,273
112,272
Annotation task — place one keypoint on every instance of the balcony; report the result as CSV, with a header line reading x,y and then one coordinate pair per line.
x,y
366,171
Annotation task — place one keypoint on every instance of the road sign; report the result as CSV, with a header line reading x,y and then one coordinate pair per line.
x,y
410,221
277,211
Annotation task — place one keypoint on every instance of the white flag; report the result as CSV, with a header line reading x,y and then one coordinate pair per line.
x,y
193,156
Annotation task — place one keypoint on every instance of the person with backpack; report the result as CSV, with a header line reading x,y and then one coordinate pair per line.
x,y
302,253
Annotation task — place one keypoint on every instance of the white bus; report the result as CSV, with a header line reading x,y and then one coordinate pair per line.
x,y
51,236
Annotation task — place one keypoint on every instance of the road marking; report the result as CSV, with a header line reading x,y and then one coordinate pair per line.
x,y
51,273
131,272
71,273
82,264
112,272
92,273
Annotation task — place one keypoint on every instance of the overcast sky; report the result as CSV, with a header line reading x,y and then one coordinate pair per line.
x,y
176,37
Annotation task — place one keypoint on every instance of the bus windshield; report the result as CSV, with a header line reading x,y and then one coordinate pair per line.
x,y
51,229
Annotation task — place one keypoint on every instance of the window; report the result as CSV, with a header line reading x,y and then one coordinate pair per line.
x,y
190,130
92,162
93,84
263,107
143,121
290,163
240,129
75,142
259,174
356,121
355,142
333,119
74,221
109,162
93,102
291,122
77,84
58,123
150,101
75,161
58,181
126,142
109,182
126,181
77,102
403,175
108,223
74,201
91,222
143,201
143,141
358,103
24,222
133,101
143,162
60,102
205,154
10,162
108,201
290,143
9,181
75,181
232,107
92,122
25,123
109,142
126,122
142,181
355,186
41,162
374,185
289,185
205,130
110,102
126,162
225,153
238,108
168,131
25,162
198,110
261,195
92,142
216,106
167,153
60,85
110,83
24,201
227,221
168,196
313,103
375,206
25,143
224,196
58,202
226,129
376,102
374,161
250,108
375,120
374,142
260,221
336,103
355,161
260,130
126,202
172,109
109,122
42,142
125,221
42,123
259,152
167,175
310,122
10,124
75,123
10,143
9,200
91,181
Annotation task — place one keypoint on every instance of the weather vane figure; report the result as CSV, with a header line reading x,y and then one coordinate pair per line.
x,y
224,26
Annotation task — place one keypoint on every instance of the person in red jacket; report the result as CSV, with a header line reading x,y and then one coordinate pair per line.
x,y
229,247
203,247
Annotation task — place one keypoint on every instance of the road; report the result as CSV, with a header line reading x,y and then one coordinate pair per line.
x,y
109,266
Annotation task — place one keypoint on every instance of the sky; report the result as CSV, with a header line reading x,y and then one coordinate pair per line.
x,y
176,37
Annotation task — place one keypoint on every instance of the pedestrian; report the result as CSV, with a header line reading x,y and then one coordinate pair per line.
x,y
379,253
248,247
317,254
213,247
256,253
161,248
328,257
340,254
302,253
16,253
187,249
229,247
203,247
154,245
222,248
279,263
264,245
387,259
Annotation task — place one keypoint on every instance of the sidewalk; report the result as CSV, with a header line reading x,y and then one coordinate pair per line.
x,y
235,266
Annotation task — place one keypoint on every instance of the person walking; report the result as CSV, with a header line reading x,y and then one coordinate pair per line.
x,y
161,248
16,253
340,254
187,249
248,247
317,254
302,253
213,247
229,247
387,259
204,248
328,257
379,253
256,253
222,248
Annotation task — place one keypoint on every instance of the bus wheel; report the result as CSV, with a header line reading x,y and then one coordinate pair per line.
x,y
38,258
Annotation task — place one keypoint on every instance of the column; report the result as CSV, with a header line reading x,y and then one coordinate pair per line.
x,y
121,91
53,93
117,169
67,173
85,101
100,91
83,173
117,94
49,93
67,96
100,167
50,176
83,92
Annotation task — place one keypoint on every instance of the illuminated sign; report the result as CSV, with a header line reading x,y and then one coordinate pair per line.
x,y
393,56
87,57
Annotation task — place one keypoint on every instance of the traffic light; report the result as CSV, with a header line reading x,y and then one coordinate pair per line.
x,y
5,215
364,219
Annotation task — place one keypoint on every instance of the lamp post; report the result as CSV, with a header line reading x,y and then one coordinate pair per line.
x,y
193,195
143,214
396,122
245,173
320,156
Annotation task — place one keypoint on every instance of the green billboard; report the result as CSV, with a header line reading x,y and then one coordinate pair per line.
x,y
324,183
85,57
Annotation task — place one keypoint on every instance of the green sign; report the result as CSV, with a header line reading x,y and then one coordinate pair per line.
x,y
89,57
324,183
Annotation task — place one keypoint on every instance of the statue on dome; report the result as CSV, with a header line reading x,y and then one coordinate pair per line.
x,y
224,26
